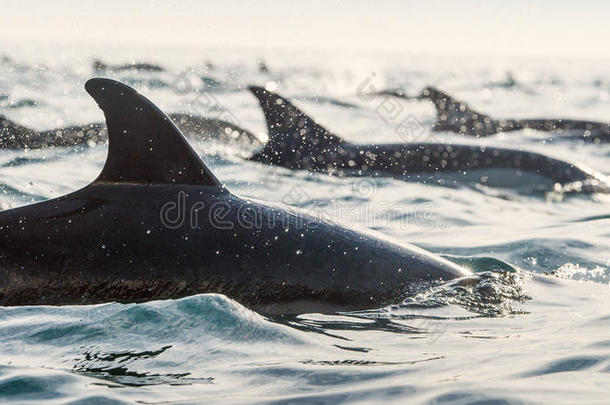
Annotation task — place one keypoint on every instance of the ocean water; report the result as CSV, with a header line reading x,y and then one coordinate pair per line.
x,y
534,329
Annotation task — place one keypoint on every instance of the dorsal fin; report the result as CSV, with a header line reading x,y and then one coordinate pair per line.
x,y
292,133
144,146
454,115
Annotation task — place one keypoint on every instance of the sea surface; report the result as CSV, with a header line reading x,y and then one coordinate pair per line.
x,y
534,329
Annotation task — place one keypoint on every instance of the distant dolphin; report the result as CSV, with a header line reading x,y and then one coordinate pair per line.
x,y
15,136
296,141
262,66
7,102
455,116
100,66
157,224
397,92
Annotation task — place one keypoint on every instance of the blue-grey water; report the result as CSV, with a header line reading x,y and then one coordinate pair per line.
x,y
533,330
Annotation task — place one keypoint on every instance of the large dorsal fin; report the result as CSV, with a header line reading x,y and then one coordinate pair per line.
x,y
454,115
290,130
144,146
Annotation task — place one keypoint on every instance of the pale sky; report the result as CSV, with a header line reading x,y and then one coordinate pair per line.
x,y
557,27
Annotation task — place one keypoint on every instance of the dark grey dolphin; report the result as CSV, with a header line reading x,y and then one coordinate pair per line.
x,y
157,224
15,136
456,116
296,141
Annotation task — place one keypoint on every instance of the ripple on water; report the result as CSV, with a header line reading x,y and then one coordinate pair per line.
x,y
569,364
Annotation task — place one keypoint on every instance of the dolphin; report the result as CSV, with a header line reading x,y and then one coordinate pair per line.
x,y
296,141
262,66
397,92
456,116
157,224
100,66
7,102
16,136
